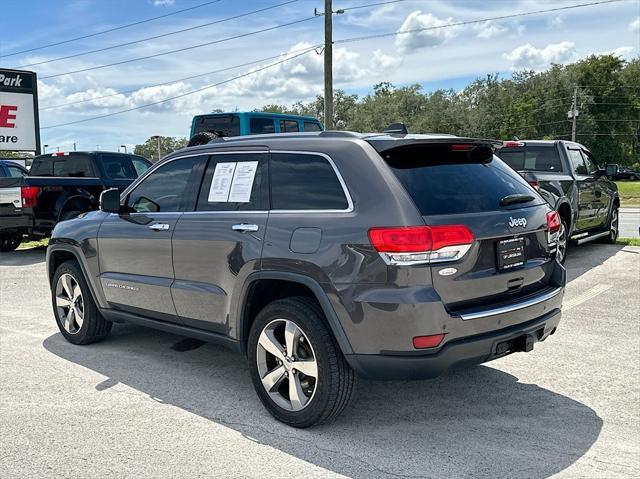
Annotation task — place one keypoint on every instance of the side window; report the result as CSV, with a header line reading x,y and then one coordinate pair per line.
x,y
577,162
311,126
15,172
259,125
588,161
164,189
139,165
288,126
304,182
117,167
235,183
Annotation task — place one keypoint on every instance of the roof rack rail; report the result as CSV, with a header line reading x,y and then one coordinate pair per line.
x,y
339,134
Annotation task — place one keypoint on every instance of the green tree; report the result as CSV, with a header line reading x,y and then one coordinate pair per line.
x,y
166,144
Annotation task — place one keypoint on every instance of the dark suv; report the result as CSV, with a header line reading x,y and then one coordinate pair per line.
x,y
321,257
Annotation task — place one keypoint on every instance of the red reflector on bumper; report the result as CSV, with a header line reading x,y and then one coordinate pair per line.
x,y
423,342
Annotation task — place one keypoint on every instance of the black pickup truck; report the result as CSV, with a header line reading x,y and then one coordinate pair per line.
x,y
567,175
60,186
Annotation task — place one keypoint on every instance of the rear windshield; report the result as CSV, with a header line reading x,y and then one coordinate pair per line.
x,y
442,182
532,158
75,165
227,125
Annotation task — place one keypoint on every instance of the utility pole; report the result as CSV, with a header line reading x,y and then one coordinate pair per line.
x,y
328,62
573,114
328,65
74,146
157,137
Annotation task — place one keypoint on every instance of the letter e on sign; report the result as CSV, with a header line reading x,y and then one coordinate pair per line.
x,y
7,113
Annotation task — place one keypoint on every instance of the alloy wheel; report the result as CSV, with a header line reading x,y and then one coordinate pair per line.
x,y
69,303
613,227
287,364
561,243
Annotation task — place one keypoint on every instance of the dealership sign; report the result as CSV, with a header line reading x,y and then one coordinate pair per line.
x,y
19,126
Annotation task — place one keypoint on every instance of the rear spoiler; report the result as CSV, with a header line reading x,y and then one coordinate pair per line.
x,y
385,143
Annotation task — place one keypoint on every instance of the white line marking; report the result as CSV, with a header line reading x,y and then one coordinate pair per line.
x,y
586,296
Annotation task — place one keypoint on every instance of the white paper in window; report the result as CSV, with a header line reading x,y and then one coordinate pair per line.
x,y
242,183
221,182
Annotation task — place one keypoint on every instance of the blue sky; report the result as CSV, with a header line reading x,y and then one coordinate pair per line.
x,y
449,57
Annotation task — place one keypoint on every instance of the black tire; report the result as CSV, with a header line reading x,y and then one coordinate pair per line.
x,y
9,241
202,138
633,178
614,226
94,327
335,381
562,244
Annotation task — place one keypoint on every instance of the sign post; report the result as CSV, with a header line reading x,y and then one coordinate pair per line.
x,y
19,121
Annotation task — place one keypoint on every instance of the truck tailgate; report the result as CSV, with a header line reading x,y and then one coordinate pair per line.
x,y
10,194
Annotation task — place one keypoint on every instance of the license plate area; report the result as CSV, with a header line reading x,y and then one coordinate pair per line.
x,y
510,253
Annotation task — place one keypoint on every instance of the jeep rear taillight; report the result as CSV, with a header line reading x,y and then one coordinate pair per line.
x,y
29,196
512,144
553,221
406,245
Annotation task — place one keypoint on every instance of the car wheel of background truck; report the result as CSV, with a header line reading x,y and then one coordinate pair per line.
x,y
613,226
297,369
77,315
9,241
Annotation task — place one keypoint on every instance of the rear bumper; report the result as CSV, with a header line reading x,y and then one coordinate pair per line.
x,y
15,222
458,353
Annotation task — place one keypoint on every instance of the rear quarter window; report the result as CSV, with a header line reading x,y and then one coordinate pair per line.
x,y
441,182
305,182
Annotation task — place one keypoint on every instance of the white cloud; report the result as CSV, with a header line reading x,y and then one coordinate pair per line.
x,y
625,52
409,42
489,30
381,61
556,22
634,26
163,3
530,57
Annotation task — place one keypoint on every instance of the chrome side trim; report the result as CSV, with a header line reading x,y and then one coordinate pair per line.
x,y
592,238
513,307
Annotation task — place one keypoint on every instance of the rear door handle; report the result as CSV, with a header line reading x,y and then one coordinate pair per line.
x,y
159,227
244,227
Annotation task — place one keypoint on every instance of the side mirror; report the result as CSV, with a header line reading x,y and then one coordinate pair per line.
x,y
612,170
600,173
110,201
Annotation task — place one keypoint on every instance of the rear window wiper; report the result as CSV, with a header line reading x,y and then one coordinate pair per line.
x,y
513,199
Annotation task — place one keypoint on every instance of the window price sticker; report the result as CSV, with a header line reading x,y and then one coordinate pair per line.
x,y
233,182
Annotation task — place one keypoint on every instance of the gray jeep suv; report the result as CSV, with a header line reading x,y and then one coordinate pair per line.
x,y
321,257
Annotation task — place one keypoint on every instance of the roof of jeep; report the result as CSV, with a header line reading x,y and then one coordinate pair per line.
x,y
380,141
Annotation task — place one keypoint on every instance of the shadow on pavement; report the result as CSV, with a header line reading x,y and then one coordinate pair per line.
x,y
23,257
585,257
480,422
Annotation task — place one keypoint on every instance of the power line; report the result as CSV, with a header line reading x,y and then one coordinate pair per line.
x,y
175,32
110,29
371,5
470,22
122,92
191,47
164,100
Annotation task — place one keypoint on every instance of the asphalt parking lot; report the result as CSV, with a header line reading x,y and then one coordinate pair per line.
x,y
148,404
